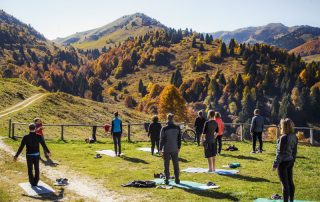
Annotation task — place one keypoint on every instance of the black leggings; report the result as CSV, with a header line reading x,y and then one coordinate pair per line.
x,y
198,137
254,140
33,162
117,143
154,143
219,139
286,179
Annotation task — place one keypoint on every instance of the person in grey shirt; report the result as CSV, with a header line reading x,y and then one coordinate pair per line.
x,y
170,144
256,129
285,158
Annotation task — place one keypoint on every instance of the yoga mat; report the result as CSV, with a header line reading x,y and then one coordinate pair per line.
x,y
271,200
146,149
108,153
187,185
42,188
205,170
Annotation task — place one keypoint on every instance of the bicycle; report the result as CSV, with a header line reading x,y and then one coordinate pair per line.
x,y
188,134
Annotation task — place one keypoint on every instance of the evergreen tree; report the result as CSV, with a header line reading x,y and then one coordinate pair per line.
x,y
176,78
223,50
201,37
201,47
194,42
286,107
275,110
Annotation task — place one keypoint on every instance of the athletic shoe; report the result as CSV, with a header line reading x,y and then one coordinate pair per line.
x,y
253,152
276,197
259,151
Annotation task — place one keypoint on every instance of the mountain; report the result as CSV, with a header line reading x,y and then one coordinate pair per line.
x,y
275,34
311,47
117,31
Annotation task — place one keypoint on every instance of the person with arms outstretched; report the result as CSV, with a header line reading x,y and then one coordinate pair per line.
x,y
116,132
32,142
170,144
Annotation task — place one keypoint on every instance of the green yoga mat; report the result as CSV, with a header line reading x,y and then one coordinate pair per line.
x,y
271,200
187,185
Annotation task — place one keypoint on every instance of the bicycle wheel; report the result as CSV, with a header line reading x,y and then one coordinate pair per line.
x,y
188,135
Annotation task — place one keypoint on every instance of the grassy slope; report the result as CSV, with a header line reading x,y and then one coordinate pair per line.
x,y
255,180
13,91
311,58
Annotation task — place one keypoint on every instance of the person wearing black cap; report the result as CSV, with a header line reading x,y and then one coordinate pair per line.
x,y
170,144
32,141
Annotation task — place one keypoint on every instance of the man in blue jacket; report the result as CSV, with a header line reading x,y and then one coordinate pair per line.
x,y
116,132
256,129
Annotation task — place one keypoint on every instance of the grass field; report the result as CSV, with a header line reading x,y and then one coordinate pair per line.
x,y
255,179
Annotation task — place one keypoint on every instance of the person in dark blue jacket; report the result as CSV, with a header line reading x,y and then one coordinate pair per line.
x,y
32,142
154,133
256,129
116,132
285,158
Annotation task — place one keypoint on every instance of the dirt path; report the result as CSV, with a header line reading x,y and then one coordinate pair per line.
x,y
21,105
83,186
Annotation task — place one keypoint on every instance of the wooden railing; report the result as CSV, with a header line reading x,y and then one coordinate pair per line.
x,y
12,125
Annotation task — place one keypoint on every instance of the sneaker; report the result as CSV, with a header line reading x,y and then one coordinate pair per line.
x,y
211,184
259,151
276,197
177,181
253,152
166,182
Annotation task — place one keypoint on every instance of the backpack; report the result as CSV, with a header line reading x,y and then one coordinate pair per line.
x,y
140,184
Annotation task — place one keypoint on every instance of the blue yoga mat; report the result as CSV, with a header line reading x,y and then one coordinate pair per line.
x,y
187,185
204,170
271,200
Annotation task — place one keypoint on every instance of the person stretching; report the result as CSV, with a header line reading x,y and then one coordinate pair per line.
x,y
116,132
32,141
218,119
154,133
285,158
256,129
209,141
198,126
170,144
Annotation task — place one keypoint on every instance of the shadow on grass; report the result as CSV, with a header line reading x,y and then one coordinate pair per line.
x,y
48,197
212,194
183,160
49,162
242,157
248,178
134,160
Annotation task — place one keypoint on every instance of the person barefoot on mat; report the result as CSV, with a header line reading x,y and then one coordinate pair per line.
x,y
116,132
170,144
154,133
32,141
209,140
285,158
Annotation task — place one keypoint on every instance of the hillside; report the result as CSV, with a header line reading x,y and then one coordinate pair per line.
x,y
117,31
63,108
311,47
275,34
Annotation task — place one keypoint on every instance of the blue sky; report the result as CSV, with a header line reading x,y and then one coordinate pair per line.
x,y
60,18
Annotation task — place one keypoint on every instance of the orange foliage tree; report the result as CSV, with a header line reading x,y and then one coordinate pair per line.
x,y
171,101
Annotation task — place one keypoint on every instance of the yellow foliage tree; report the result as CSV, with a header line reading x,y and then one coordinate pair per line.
x,y
171,101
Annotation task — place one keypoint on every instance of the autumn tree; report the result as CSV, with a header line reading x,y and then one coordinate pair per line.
x,y
171,101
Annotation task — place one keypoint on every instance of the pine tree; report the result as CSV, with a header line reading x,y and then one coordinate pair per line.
x,y
201,37
201,47
275,110
194,42
171,101
176,78
223,50
286,107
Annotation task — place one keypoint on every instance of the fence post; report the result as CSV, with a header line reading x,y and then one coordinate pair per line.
x,y
9,133
13,131
62,138
129,132
311,136
241,132
94,132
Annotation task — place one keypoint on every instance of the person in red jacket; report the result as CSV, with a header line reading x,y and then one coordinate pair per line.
x,y
217,118
39,131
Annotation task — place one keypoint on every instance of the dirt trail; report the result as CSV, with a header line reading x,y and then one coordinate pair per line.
x,y
21,105
83,186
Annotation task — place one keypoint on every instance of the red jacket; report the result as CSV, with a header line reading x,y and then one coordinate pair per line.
x,y
220,126
39,129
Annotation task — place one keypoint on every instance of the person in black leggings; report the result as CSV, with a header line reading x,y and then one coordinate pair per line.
x,y
154,133
116,131
198,126
285,158
32,142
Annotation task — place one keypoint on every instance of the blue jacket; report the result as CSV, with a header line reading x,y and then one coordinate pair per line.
x,y
257,124
116,125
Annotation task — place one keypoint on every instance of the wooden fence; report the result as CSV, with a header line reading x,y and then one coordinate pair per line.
x,y
12,126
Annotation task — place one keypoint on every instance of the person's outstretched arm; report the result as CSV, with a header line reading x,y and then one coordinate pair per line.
x,y
23,143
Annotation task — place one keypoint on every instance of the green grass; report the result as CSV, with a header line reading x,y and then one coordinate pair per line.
x,y
311,58
13,91
255,179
